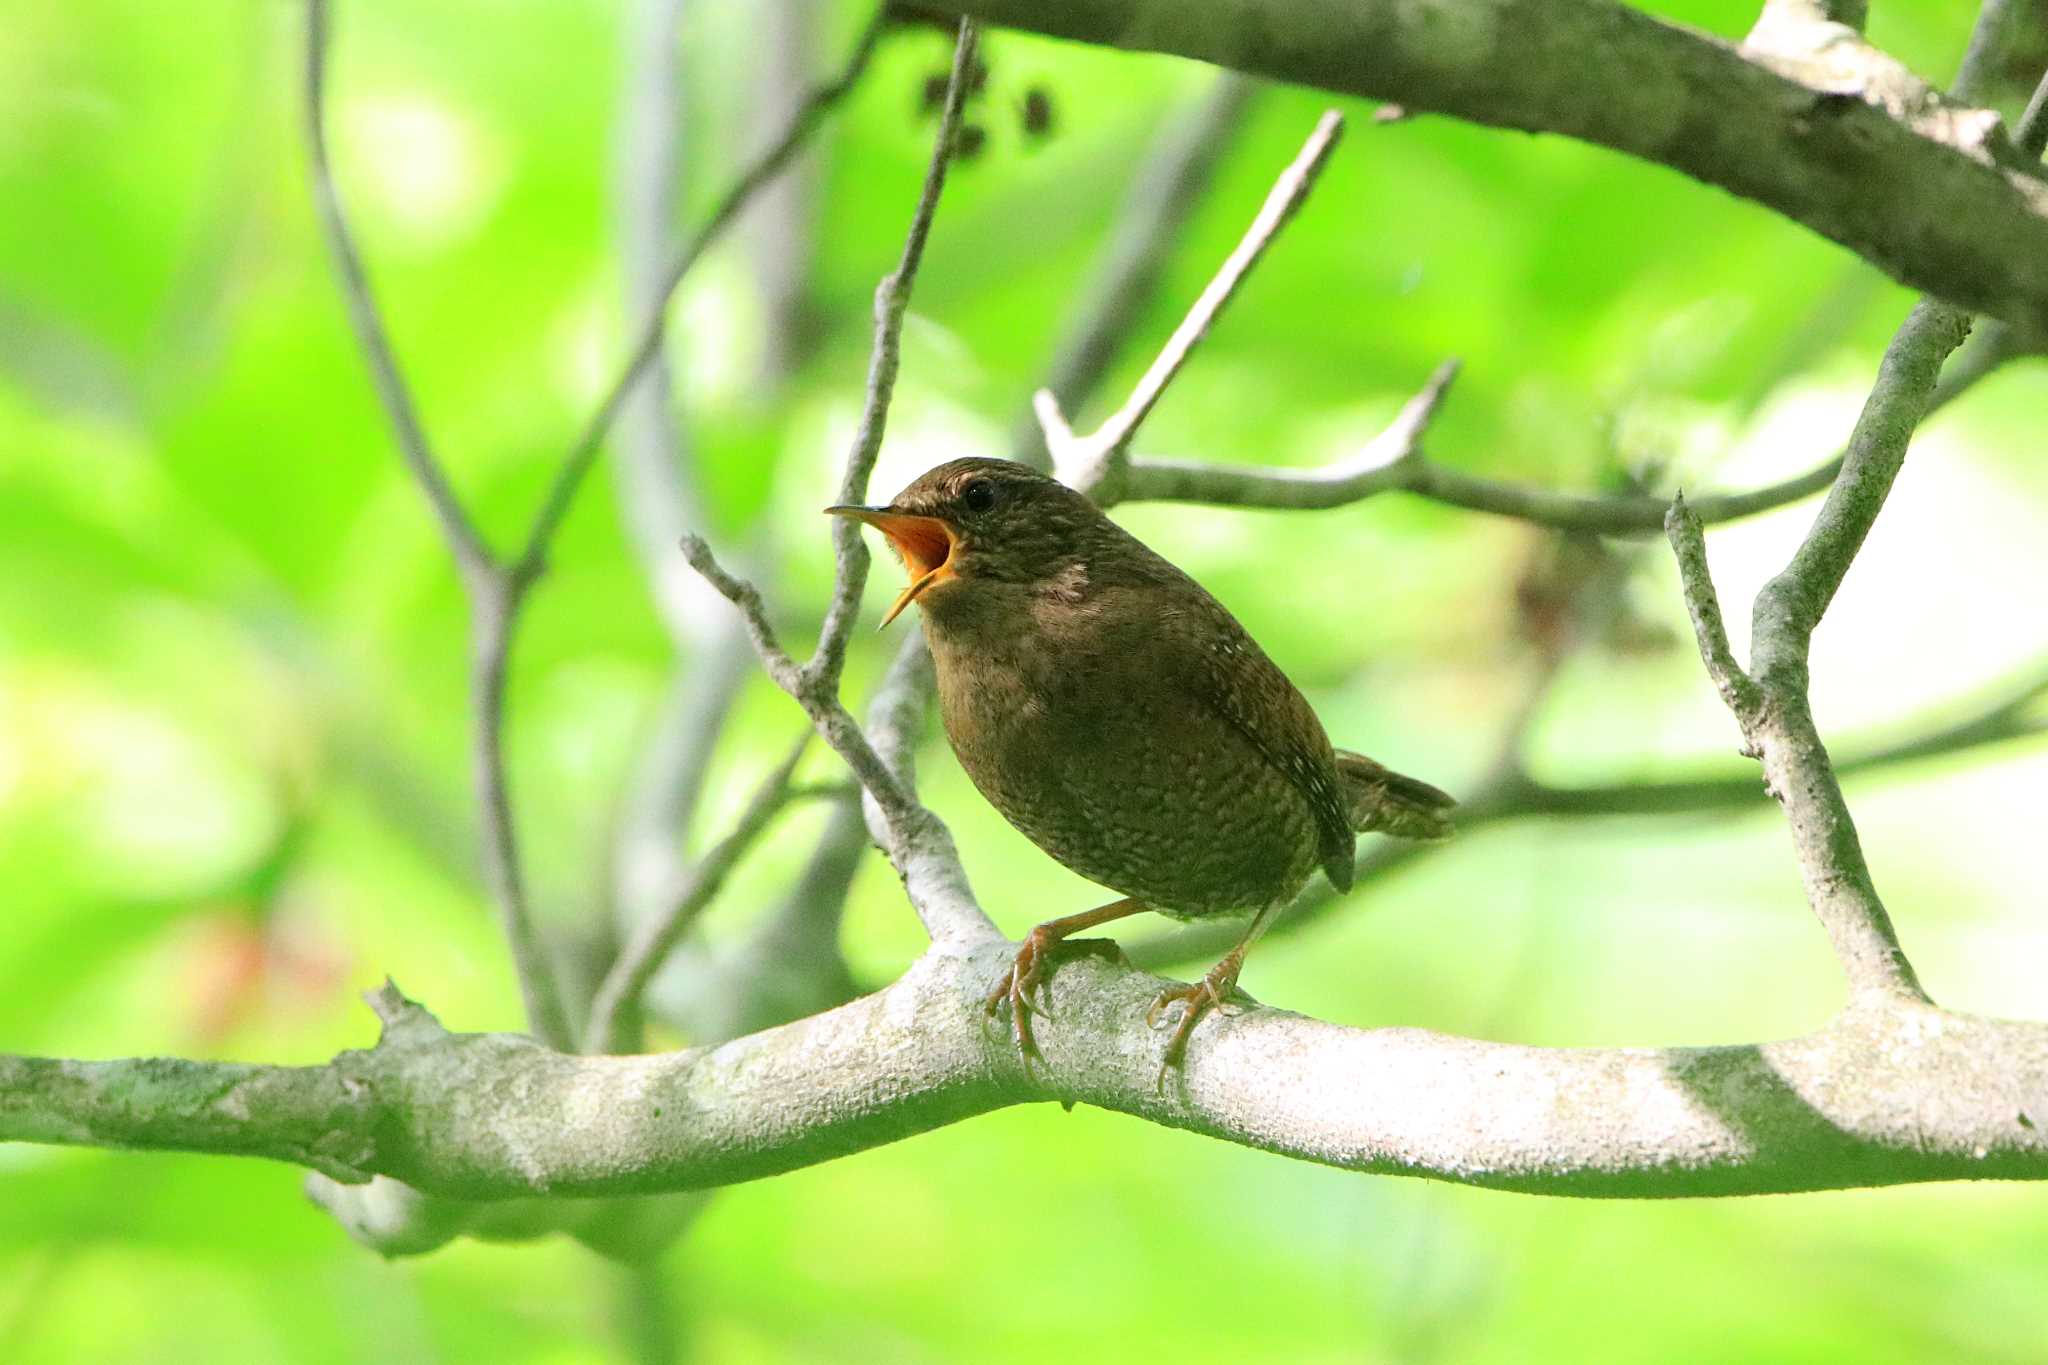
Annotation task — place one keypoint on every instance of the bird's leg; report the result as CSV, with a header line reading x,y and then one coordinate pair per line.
x,y
1030,964
1210,992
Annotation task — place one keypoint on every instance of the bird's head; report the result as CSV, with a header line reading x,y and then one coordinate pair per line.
x,y
980,522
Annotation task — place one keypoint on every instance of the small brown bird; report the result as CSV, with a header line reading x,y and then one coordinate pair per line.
x,y
1122,719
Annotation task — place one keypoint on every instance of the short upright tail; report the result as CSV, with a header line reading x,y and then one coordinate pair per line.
x,y
1385,802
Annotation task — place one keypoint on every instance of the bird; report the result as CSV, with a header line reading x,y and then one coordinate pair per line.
x,y
1122,719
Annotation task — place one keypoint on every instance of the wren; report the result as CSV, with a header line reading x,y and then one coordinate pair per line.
x,y
1122,719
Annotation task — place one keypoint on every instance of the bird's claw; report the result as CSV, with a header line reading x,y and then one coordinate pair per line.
x,y
1017,986
1197,1000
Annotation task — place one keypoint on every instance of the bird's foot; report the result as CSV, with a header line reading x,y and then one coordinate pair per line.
x,y
1197,1000
1030,965
1016,987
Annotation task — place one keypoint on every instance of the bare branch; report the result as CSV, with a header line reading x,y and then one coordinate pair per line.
x,y
917,843
1395,461
497,592
892,297
491,621
1878,1097
1772,704
1167,190
1689,545
1096,464
615,1009
1791,605
471,555
583,453
1773,710
774,658
1391,460
493,592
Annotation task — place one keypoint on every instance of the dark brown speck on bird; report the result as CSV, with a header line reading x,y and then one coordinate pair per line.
x,y
1121,718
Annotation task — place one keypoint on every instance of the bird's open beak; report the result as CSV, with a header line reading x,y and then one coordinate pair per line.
x,y
924,544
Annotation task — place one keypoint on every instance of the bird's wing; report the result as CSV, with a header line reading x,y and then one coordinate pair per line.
x,y
1234,677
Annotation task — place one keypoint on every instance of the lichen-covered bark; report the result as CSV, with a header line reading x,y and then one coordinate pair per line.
x,y
1880,1096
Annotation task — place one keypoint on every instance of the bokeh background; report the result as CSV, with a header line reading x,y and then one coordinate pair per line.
x,y
233,715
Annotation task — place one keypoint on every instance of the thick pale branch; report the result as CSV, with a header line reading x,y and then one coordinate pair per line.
x,y
1840,141
1881,1096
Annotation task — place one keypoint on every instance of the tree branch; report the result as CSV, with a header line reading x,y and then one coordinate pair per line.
x,y
1878,1097
771,163
497,591
1395,461
493,593
917,843
1841,140
471,555
1770,703
615,1010
1096,464
892,297
1167,190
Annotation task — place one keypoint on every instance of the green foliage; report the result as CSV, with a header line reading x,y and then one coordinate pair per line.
x,y
234,725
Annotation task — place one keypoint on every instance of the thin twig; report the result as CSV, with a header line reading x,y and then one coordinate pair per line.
x,y
493,593
774,658
471,555
1095,464
1171,181
614,1012
491,620
916,842
497,591
1703,604
827,713
1395,462
892,298
532,558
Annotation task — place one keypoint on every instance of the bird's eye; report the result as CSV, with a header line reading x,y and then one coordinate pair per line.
x,y
979,496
